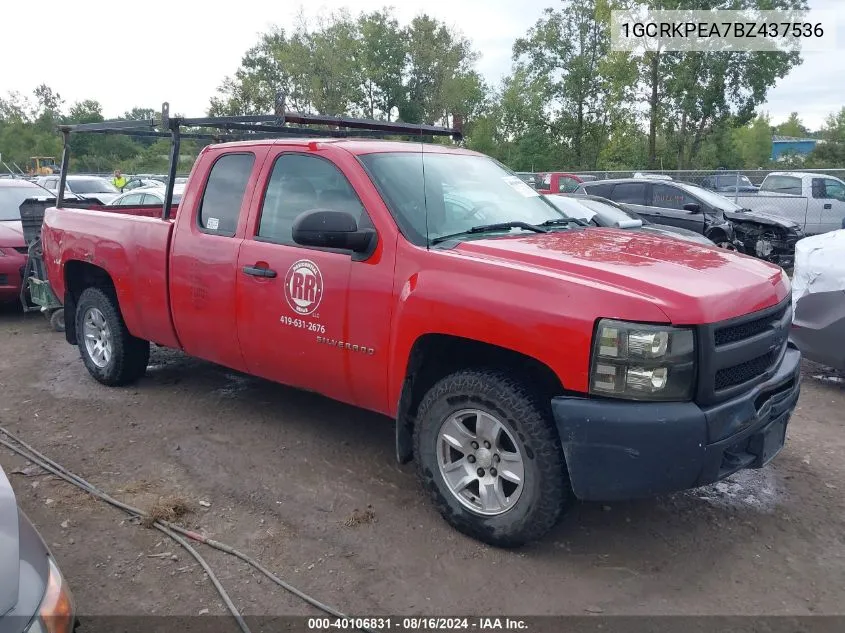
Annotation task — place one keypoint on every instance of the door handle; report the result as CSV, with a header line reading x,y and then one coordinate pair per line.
x,y
255,271
828,206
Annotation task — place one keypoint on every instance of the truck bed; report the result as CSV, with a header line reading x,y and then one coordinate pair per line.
x,y
131,244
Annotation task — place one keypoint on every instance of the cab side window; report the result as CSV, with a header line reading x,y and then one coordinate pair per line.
x,y
132,200
224,193
567,185
630,193
300,183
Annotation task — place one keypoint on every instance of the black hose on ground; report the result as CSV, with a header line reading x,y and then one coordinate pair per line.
x,y
38,458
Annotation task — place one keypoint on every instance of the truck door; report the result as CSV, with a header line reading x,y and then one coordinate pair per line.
x,y
207,238
312,317
827,207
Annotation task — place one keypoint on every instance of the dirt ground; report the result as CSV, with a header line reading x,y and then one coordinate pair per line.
x,y
283,473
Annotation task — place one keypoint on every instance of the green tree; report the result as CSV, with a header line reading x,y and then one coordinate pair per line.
x,y
382,55
792,127
753,142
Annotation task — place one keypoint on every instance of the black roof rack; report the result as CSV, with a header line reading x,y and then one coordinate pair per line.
x,y
251,127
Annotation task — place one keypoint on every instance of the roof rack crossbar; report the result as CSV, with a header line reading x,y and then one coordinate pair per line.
x,y
259,126
113,125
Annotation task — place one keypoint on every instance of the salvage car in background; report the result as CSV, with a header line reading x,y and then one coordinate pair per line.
x,y
729,225
599,211
92,188
147,195
816,202
34,596
818,298
729,183
13,247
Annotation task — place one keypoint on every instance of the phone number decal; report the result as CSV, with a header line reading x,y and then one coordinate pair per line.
x,y
302,324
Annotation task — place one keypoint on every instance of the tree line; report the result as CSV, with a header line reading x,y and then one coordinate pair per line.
x,y
568,102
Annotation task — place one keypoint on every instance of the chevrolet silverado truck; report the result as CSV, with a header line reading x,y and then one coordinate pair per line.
x,y
526,359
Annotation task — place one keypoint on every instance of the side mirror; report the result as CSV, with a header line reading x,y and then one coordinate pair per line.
x,y
332,229
628,224
692,207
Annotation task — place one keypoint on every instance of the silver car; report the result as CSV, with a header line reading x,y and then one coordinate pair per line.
x,y
34,596
92,188
147,195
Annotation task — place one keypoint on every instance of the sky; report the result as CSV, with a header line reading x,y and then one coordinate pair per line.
x,y
127,55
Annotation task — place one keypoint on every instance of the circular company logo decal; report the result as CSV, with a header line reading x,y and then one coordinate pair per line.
x,y
304,287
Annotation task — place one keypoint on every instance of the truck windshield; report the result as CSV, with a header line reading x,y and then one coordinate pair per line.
x,y
431,195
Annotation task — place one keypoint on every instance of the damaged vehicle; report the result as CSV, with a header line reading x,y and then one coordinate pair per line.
x,y
818,299
597,211
34,596
766,236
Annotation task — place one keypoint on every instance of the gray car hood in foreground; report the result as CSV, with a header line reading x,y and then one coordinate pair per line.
x,y
9,546
676,232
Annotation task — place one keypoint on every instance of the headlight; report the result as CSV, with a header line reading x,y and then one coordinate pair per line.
x,y
2,253
55,615
642,362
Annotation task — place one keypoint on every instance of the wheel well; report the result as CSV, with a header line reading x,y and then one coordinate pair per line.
x,y
434,356
717,235
79,276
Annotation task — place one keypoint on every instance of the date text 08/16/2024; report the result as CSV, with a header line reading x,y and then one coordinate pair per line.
x,y
419,623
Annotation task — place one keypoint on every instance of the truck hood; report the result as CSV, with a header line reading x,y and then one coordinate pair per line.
x,y
691,284
9,546
11,234
761,217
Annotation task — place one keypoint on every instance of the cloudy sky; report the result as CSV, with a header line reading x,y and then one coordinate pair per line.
x,y
141,54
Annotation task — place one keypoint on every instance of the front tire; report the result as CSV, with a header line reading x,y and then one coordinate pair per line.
x,y
111,354
488,454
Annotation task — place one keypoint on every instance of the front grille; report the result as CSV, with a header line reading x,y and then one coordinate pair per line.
x,y
744,372
4,279
739,353
23,250
734,333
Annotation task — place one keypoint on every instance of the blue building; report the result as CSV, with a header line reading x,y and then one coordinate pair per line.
x,y
783,145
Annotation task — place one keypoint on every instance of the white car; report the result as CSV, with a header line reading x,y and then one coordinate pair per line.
x,y
86,187
146,196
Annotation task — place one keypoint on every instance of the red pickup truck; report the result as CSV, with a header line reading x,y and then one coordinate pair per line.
x,y
528,360
558,182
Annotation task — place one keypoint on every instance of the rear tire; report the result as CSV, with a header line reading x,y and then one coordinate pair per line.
x,y
57,320
516,440
111,354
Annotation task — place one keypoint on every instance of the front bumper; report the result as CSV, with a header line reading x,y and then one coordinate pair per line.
x,y
11,277
624,450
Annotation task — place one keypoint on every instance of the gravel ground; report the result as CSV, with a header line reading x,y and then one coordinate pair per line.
x,y
311,488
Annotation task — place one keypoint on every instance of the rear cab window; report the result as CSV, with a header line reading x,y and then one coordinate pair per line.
x,y
221,202
782,184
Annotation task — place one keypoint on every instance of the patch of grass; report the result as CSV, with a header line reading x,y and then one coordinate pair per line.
x,y
166,509
359,517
